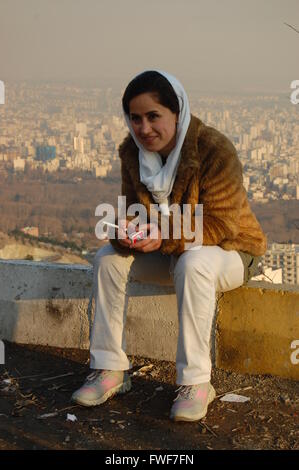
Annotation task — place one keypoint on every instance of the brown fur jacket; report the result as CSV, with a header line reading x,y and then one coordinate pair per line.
x,y
209,173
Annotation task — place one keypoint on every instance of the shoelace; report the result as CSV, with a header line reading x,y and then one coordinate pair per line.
x,y
95,374
186,392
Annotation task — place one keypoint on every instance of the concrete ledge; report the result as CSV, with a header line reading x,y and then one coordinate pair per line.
x,y
43,303
257,326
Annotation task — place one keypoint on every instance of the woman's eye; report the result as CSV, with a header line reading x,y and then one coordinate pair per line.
x,y
151,117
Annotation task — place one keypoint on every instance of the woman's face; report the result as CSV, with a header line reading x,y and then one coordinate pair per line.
x,y
154,124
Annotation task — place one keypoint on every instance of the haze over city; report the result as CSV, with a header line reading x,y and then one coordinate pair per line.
x,y
65,65
233,46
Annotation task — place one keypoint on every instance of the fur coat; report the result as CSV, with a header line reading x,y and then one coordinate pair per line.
x,y
209,173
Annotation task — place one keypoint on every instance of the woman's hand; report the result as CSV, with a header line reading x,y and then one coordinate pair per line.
x,y
152,242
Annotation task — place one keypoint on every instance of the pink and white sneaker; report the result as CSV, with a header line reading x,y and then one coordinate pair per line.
x,y
101,385
192,402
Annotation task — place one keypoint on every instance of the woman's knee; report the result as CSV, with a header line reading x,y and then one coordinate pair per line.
x,y
191,265
103,256
107,259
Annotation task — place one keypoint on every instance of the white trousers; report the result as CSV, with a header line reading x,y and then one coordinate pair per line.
x,y
197,275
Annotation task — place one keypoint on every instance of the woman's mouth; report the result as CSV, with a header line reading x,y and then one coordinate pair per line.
x,y
149,140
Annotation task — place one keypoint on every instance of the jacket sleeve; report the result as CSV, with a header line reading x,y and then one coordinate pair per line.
x,y
221,193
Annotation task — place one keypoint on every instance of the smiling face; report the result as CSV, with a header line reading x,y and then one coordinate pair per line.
x,y
154,124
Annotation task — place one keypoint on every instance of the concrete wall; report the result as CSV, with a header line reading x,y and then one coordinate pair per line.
x,y
47,304
43,303
258,330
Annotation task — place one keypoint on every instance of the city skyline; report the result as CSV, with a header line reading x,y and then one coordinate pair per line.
x,y
53,134
56,127
231,46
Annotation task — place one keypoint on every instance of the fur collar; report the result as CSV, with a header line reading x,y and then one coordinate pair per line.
x,y
188,166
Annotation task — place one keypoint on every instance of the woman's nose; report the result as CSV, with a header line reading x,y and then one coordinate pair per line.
x,y
145,127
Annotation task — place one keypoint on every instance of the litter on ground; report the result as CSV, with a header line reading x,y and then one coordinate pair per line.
x,y
70,417
233,397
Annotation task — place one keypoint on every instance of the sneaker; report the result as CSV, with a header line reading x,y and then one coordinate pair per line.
x,y
101,385
192,402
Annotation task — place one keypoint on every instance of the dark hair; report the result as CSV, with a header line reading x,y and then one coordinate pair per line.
x,y
151,82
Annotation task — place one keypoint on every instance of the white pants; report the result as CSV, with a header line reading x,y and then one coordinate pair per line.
x,y
197,275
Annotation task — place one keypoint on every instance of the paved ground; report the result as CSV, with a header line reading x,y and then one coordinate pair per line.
x,y
30,387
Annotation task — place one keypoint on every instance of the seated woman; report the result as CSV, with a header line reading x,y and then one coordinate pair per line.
x,y
171,157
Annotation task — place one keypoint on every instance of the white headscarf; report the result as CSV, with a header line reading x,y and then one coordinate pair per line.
x,y
159,179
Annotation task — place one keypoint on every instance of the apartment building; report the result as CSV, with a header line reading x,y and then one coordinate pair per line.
x,y
286,257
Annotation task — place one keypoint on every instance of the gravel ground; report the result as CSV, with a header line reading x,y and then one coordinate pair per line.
x,y
38,381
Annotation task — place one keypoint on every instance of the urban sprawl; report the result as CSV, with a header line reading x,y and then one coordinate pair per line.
x,y
57,126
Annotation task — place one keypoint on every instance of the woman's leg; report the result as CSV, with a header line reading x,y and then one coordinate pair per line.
x,y
198,275
112,272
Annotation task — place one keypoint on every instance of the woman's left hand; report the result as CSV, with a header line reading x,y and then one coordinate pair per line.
x,y
148,244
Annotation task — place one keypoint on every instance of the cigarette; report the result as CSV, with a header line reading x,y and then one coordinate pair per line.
x,y
112,225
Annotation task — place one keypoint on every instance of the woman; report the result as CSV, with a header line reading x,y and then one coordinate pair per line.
x,y
171,157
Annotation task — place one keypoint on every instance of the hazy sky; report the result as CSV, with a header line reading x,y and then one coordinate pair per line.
x,y
224,45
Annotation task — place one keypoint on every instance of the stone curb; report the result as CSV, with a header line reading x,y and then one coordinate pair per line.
x,y
256,330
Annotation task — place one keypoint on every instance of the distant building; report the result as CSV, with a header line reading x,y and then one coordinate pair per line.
x,y
246,182
81,128
253,132
33,231
79,144
286,257
100,171
271,125
258,195
45,152
19,164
